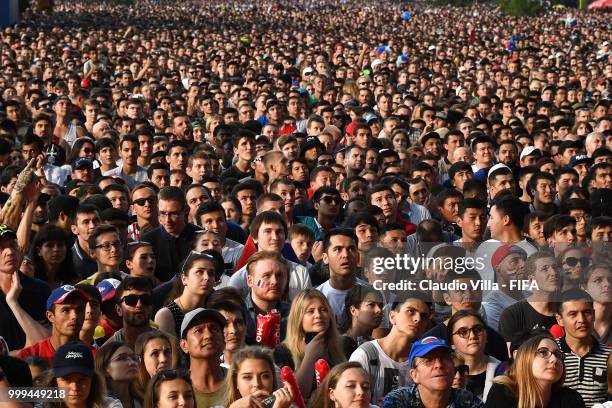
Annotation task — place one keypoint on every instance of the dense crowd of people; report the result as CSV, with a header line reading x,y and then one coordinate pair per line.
x,y
305,203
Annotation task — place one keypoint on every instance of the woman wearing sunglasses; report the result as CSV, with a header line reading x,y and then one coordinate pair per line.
x,y
467,335
157,351
199,275
252,379
535,379
170,389
574,262
119,366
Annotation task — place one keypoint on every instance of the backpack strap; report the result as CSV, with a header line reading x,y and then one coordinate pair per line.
x,y
372,355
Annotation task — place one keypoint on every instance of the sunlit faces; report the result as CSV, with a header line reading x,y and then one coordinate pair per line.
x,y
175,393
547,275
268,279
77,386
200,278
577,318
255,375
123,365
352,389
234,331
157,356
599,284
317,317
547,365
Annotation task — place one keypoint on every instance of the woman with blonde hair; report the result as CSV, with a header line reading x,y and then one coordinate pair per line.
x,y
350,87
157,351
535,379
311,335
346,385
252,379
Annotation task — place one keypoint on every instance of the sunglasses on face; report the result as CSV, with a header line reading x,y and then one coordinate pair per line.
x,y
573,261
132,300
142,201
332,199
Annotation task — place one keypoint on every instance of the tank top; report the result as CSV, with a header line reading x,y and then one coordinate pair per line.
x,y
177,315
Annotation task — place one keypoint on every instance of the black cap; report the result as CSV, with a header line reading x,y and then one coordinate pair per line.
x,y
73,357
309,143
7,232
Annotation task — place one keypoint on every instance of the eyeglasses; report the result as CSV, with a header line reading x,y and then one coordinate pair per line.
x,y
132,300
429,361
171,214
325,162
573,261
546,353
107,246
127,357
464,332
332,199
142,201
463,369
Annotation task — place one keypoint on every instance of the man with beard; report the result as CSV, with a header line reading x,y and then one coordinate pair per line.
x,y
66,312
134,305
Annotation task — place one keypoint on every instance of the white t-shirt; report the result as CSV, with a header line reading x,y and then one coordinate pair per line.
x,y
390,373
336,298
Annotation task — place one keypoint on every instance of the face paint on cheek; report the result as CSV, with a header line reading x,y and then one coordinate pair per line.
x,y
261,283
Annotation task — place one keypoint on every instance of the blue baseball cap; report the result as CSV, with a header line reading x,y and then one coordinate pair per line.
x,y
59,295
424,346
108,288
82,162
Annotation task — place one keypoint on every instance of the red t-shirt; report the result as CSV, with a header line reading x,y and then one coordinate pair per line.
x,y
43,349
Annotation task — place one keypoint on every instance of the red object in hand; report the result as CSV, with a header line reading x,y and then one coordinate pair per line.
x,y
287,375
321,370
267,330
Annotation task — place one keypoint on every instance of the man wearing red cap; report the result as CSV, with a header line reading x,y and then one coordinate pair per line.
x,y
508,262
66,312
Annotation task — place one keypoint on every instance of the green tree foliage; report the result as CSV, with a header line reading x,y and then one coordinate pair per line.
x,y
520,7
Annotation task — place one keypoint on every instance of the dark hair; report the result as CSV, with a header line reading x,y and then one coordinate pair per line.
x,y
154,385
533,181
362,217
83,209
338,231
405,296
557,222
16,370
571,295
268,217
458,316
446,194
354,297
133,283
511,206
99,230
471,203
66,273
171,193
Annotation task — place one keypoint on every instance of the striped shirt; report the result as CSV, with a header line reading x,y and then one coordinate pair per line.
x,y
587,374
